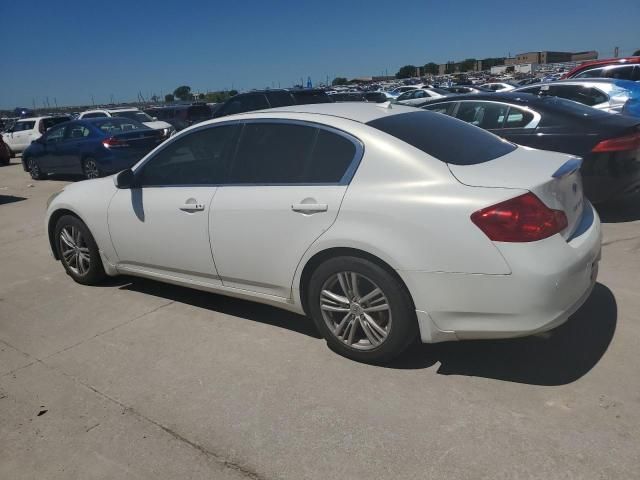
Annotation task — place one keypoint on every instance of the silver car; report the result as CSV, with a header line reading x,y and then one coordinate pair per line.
x,y
610,95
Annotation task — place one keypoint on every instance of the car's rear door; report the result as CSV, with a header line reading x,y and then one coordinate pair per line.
x,y
161,227
284,190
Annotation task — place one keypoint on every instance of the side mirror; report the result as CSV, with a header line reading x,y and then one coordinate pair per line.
x,y
155,119
126,179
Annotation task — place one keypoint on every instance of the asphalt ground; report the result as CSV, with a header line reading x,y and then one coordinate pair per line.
x,y
136,379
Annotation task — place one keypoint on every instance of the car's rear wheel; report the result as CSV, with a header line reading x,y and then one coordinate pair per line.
x,y
34,169
90,168
78,251
7,152
362,310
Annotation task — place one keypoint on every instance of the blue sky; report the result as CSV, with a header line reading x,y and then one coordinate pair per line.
x,y
70,50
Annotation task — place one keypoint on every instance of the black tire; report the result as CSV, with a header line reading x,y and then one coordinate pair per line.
x,y
401,331
34,169
91,169
7,150
86,275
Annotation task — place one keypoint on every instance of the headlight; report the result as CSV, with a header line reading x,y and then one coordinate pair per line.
x,y
50,199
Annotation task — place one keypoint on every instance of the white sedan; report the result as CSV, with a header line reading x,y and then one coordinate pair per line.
x,y
420,96
381,223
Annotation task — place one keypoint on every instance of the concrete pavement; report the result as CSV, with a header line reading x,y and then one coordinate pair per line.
x,y
136,379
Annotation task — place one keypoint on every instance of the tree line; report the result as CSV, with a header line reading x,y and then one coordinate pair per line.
x,y
183,93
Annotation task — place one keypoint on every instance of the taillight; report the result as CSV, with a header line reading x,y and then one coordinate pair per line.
x,y
113,142
620,144
520,219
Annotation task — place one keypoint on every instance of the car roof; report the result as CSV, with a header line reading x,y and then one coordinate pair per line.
x,y
603,63
358,112
510,97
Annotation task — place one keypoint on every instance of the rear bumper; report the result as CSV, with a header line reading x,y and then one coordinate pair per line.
x,y
550,280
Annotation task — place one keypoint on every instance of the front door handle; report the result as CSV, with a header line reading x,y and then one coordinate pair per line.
x,y
309,207
192,207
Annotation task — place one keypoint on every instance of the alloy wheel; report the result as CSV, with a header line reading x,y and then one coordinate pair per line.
x,y
356,310
91,169
34,169
74,250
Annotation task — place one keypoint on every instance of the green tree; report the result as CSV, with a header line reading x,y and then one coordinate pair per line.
x,y
407,71
183,92
468,64
201,96
169,98
636,53
431,68
339,81
232,93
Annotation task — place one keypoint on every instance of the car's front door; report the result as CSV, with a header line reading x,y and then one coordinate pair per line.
x,y
161,227
51,158
284,190
20,135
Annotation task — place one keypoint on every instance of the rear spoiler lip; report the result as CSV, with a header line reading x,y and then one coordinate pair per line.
x,y
568,167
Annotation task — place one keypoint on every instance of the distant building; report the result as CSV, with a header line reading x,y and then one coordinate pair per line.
x,y
545,57
584,56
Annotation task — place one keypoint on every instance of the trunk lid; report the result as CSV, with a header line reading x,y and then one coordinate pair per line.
x,y
140,140
553,177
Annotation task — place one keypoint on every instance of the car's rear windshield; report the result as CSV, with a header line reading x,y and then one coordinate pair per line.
x,y
112,126
304,97
443,137
133,115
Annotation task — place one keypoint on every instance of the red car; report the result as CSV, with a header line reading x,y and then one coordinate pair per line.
x,y
622,68
5,153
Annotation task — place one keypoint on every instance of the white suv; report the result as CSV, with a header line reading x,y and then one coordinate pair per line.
x,y
26,130
132,114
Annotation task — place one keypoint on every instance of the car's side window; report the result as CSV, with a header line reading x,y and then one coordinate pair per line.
x,y
198,158
518,118
622,72
77,131
272,153
578,93
22,126
446,108
56,134
593,73
487,115
332,156
95,115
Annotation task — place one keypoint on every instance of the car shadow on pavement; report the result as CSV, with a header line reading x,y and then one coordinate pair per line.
x,y
10,199
255,312
558,357
627,210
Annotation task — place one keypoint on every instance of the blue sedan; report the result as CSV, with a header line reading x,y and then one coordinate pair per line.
x,y
91,147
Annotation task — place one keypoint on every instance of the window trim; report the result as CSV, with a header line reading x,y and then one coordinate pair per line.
x,y
345,180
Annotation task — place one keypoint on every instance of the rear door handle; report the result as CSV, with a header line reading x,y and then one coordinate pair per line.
x,y
192,207
309,207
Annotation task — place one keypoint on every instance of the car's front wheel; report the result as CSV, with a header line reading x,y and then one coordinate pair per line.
x,y
78,251
34,169
362,310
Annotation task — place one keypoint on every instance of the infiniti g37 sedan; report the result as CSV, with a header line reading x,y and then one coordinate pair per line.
x,y
381,223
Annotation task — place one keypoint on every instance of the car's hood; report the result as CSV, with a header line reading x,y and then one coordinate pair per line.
x,y
157,124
